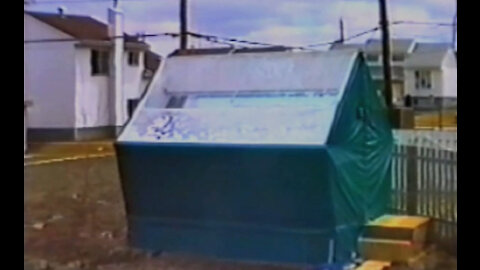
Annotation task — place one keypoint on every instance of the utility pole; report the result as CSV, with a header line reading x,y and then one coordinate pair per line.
x,y
342,32
116,32
183,25
387,71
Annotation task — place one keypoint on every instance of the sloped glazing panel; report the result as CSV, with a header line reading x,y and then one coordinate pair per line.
x,y
286,99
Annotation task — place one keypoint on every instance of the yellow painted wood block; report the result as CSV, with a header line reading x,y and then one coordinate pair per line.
x,y
387,250
393,221
374,265
402,228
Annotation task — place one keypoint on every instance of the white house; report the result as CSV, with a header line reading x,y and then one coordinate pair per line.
x,y
431,76
69,76
400,48
407,57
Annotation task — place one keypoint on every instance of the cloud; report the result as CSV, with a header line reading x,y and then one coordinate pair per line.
x,y
160,27
444,4
293,35
275,21
357,15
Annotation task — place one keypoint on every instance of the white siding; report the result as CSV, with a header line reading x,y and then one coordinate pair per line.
x,y
49,78
444,79
132,77
450,75
437,84
93,97
58,79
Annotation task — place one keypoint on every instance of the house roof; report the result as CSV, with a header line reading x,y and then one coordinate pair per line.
x,y
431,47
348,46
399,46
79,26
428,55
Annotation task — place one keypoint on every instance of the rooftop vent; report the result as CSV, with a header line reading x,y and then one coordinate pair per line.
x,y
61,11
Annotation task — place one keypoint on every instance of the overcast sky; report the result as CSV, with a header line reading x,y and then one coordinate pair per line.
x,y
285,22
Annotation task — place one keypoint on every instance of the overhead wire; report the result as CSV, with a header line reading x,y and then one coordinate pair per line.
x,y
230,41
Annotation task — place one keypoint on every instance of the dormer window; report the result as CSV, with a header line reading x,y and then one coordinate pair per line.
x,y
423,79
373,58
398,57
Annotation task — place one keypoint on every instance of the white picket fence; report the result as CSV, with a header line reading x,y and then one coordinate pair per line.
x,y
424,178
444,140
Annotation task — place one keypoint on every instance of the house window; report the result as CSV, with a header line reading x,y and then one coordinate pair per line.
x,y
372,58
100,62
133,58
423,79
398,57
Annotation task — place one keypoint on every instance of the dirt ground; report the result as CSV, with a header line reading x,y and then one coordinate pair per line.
x,y
74,219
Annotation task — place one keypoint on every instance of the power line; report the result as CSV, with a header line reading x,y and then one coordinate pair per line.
x,y
228,40
236,40
211,38
219,39
53,40
423,23
257,43
49,2
372,30
229,44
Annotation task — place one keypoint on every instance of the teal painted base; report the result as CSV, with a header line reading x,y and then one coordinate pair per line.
x,y
230,242
253,203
